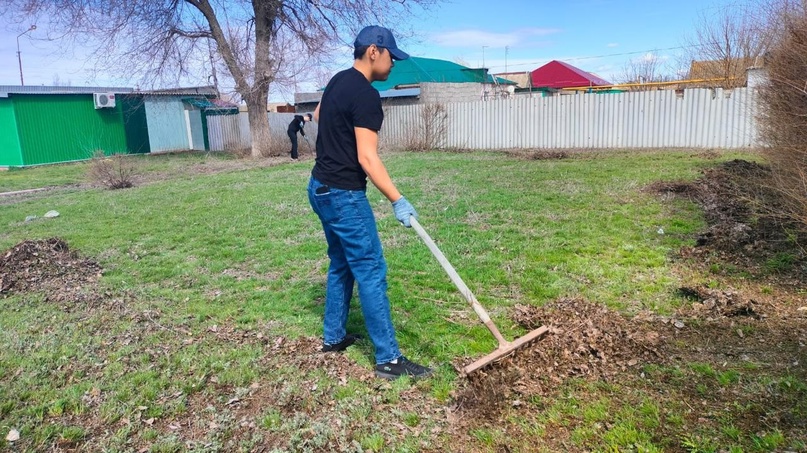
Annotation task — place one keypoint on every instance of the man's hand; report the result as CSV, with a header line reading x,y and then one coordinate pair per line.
x,y
403,210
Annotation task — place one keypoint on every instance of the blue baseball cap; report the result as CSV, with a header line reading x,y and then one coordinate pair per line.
x,y
381,37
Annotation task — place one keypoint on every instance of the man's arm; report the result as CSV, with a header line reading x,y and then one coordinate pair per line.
x,y
316,113
367,146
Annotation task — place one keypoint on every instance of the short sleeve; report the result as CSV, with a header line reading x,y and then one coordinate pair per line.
x,y
367,111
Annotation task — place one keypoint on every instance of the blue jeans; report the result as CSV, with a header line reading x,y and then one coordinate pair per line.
x,y
356,256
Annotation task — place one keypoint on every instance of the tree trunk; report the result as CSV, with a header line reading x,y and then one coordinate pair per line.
x,y
259,125
255,94
266,13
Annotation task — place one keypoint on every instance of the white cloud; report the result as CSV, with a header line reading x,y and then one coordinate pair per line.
x,y
473,38
650,57
612,44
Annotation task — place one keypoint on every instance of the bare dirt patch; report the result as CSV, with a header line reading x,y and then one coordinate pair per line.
x,y
685,189
538,154
744,227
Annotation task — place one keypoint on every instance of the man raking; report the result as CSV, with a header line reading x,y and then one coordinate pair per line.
x,y
349,117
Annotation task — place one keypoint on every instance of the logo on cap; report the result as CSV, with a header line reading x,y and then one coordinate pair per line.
x,y
381,37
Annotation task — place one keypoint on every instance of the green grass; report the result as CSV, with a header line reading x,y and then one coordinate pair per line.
x,y
38,177
573,214
176,165
242,249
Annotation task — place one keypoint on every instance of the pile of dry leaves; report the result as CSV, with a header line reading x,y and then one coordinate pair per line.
x,y
50,267
584,339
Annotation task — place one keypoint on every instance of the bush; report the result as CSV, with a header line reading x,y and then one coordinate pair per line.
x,y
783,119
113,172
430,130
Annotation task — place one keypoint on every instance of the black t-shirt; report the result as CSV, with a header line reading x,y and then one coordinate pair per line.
x,y
349,101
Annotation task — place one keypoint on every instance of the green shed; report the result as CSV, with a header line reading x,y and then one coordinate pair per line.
x,y
44,125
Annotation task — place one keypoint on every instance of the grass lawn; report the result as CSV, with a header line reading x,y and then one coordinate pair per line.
x,y
201,334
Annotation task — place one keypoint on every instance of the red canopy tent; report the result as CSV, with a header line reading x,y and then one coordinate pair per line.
x,y
557,74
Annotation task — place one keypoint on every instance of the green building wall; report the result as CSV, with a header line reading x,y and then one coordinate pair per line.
x,y
134,123
66,127
10,151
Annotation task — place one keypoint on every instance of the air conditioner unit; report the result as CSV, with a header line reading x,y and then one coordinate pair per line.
x,y
104,100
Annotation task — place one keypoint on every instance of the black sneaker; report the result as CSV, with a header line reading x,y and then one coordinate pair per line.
x,y
342,345
401,367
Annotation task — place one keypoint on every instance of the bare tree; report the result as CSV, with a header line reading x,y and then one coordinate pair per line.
x,y
647,68
58,82
462,61
729,40
259,42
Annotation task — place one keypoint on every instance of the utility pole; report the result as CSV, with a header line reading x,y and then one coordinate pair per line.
x,y
19,54
506,50
484,77
483,56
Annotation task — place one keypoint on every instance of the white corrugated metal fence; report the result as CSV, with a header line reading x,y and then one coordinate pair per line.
x,y
692,118
697,118
229,132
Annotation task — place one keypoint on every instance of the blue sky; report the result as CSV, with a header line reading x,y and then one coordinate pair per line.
x,y
599,36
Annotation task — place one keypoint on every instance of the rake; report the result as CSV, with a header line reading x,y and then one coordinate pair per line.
x,y
505,347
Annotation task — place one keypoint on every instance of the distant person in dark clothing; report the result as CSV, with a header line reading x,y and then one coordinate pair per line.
x,y
297,125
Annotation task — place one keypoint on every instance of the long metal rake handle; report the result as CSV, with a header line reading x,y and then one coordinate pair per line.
x,y
466,292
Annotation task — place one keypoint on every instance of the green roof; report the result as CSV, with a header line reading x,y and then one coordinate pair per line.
x,y
212,106
415,70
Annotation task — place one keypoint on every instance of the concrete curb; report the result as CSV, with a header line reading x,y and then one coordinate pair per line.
x,y
20,192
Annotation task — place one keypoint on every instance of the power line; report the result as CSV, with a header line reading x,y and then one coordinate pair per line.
x,y
611,55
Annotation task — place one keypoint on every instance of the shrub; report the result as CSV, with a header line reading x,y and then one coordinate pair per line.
x,y
783,119
430,129
113,172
